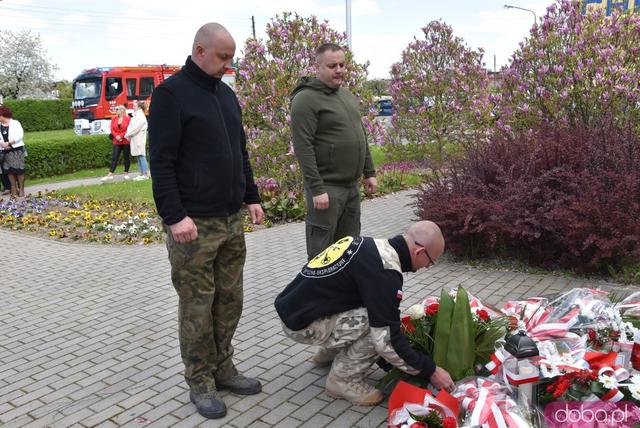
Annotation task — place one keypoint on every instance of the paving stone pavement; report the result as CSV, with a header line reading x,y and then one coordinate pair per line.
x,y
88,332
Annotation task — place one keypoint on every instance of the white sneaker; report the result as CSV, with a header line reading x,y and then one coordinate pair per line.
x,y
141,178
108,177
126,176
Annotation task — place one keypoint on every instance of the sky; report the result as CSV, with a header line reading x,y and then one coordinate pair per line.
x,y
79,35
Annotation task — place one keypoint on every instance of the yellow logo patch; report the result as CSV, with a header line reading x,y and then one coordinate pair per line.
x,y
333,259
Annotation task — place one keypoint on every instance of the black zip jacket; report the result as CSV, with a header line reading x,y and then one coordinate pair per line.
x,y
197,147
357,273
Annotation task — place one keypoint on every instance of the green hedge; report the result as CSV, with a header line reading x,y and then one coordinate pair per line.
x,y
42,115
55,155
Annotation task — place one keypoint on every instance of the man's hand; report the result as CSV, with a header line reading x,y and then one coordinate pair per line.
x,y
184,231
256,213
370,185
442,380
321,202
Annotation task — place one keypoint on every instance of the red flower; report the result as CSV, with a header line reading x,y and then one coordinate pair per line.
x,y
484,315
449,422
407,325
418,425
614,334
592,334
432,309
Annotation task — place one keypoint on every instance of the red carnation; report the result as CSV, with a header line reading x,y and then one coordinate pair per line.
x,y
592,334
449,422
484,315
407,325
418,425
432,309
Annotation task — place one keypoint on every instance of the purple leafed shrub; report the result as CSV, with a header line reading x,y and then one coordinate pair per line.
x,y
557,198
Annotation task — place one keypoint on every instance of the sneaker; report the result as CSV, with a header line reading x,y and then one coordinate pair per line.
x,y
357,392
108,177
240,385
126,176
208,404
324,357
141,178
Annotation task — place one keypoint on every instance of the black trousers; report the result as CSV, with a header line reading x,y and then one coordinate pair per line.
x,y
115,154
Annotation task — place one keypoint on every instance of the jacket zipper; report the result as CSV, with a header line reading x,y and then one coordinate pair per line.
x,y
226,133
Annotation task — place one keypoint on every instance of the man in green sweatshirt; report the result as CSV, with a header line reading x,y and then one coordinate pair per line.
x,y
331,147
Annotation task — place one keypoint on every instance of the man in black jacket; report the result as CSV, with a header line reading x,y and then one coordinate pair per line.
x,y
347,300
201,177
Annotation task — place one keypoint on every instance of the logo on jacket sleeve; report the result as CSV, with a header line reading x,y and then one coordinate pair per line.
x,y
333,259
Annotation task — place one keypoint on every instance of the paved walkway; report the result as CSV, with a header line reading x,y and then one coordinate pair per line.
x,y
88,332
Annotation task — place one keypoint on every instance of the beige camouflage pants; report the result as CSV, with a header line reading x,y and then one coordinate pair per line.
x,y
207,275
346,332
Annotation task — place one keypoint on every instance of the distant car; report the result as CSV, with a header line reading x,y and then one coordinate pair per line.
x,y
384,106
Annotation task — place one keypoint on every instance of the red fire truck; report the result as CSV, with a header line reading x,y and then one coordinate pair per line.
x,y
96,92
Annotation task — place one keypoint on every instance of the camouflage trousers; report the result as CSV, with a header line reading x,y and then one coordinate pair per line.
x,y
207,275
346,333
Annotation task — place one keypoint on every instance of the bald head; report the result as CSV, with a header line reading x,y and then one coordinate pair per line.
x,y
213,49
424,234
208,34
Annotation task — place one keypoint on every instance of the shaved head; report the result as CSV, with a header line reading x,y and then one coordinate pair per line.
x,y
428,236
209,33
213,49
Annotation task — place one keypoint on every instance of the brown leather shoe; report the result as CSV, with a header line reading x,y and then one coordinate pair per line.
x,y
357,392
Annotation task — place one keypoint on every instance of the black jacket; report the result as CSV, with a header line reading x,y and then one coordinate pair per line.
x,y
197,146
357,273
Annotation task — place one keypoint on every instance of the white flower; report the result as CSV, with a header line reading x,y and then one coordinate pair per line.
x,y
415,312
635,391
608,382
635,379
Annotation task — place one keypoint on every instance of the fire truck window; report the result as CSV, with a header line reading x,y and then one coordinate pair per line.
x,y
114,87
131,89
146,87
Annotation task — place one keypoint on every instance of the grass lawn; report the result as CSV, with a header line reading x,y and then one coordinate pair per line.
x,y
48,135
138,191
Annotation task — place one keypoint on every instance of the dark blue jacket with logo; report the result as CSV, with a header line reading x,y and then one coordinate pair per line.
x,y
355,273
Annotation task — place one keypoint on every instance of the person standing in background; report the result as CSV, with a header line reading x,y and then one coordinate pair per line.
x,y
330,144
119,124
137,135
13,153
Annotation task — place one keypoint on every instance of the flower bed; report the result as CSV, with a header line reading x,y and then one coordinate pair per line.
x,y
74,218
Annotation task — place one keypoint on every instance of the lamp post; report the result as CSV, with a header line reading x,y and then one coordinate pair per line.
x,y
535,18
348,5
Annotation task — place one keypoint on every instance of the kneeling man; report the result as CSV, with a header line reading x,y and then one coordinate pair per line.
x,y
346,300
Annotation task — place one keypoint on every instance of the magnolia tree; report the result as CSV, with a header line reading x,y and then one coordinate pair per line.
x,y
440,91
574,69
268,72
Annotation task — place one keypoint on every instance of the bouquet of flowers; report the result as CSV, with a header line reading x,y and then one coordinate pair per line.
x,y
489,403
458,338
413,407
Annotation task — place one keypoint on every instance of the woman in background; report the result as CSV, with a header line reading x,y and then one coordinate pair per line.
x,y
137,135
119,124
12,145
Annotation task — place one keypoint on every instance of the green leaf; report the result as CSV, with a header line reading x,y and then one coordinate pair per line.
x,y
442,330
461,346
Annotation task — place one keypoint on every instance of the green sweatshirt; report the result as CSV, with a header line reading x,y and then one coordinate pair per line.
x,y
328,136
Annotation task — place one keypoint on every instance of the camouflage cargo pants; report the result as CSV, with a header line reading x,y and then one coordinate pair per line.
x,y
346,332
207,275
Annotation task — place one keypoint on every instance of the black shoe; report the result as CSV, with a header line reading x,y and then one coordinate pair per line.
x,y
208,404
240,385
